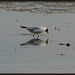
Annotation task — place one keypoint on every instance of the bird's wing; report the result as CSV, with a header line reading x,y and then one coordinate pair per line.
x,y
37,30
32,28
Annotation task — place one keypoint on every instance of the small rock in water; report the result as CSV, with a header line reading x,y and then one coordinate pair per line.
x,y
55,28
61,44
67,44
62,54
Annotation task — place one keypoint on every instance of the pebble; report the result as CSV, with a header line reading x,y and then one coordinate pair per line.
x,y
67,44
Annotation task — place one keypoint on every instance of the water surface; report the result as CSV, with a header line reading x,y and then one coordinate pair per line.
x,y
21,53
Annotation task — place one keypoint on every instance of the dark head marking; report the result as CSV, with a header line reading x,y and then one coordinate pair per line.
x,y
47,30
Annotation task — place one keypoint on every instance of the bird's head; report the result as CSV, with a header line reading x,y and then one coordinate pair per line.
x,y
47,30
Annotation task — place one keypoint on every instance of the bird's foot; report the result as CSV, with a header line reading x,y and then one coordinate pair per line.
x,y
33,36
37,36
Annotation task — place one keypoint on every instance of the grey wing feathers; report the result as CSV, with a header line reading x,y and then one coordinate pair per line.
x,y
32,28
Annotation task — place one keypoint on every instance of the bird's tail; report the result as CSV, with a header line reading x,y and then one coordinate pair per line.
x,y
23,27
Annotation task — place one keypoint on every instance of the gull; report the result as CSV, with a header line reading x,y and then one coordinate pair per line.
x,y
36,30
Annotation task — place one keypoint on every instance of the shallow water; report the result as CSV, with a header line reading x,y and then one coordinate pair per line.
x,y
20,53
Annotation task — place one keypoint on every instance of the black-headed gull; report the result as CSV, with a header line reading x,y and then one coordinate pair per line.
x,y
36,30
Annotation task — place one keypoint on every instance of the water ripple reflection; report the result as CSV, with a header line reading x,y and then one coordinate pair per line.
x,y
35,42
39,7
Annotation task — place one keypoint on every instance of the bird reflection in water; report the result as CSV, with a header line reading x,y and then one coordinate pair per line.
x,y
35,42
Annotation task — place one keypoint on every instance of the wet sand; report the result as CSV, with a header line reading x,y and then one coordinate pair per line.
x,y
51,53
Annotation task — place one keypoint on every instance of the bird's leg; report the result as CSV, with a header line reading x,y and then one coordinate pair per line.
x,y
33,35
37,36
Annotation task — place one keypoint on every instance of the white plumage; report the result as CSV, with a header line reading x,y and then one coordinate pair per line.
x,y
36,30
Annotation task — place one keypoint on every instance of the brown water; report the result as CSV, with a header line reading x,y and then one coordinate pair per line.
x,y
20,53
